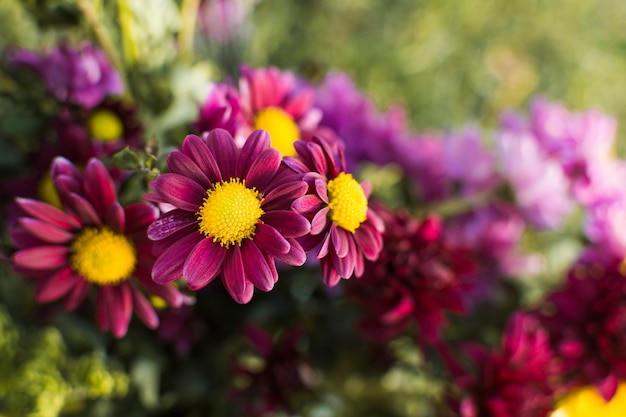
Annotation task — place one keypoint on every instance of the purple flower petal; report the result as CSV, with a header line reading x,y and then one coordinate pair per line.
x,y
222,146
318,157
57,286
115,217
295,163
271,240
329,274
608,387
233,276
321,188
180,191
84,210
296,255
339,238
196,149
45,231
99,187
144,310
170,223
369,242
203,264
288,223
320,221
77,295
42,257
283,192
48,213
257,271
255,144
180,163
307,204
263,169
169,265
120,307
139,216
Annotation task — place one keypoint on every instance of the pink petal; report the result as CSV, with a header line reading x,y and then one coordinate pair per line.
x,y
321,188
320,221
284,192
139,216
120,307
222,146
255,144
271,240
288,223
45,231
102,315
84,210
368,241
167,292
203,264
307,204
48,213
196,149
329,274
169,265
170,223
115,217
99,187
319,159
296,255
78,294
233,276
180,163
144,310
42,257
263,169
608,387
180,191
56,286
257,271
340,238
294,163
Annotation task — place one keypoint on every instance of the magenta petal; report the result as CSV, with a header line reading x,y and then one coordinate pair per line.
x,y
120,307
45,231
608,387
321,188
180,163
56,286
48,213
169,265
320,221
102,314
203,263
170,223
167,292
288,223
319,159
323,251
85,210
263,169
257,142
329,274
63,166
339,238
196,149
295,163
233,276
284,192
368,241
42,257
99,187
144,310
271,240
257,271
139,216
307,204
115,217
77,294
180,191
222,146
296,255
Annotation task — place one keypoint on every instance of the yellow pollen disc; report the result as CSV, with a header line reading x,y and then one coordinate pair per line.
x,y
230,212
105,126
47,192
281,127
587,402
347,202
102,256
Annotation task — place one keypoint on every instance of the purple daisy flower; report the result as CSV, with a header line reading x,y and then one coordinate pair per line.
x,y
82,76
343,227
232,214
92,241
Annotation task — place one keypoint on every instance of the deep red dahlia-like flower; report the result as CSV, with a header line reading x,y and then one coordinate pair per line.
x,y
416,278
343,228
588,324
285,370
513,381
232,214
91,242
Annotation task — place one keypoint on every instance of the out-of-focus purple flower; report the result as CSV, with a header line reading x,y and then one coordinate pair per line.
x,y
367,133
513,381
223,20
181,326
220,110
286,370
540,187
467,163
416,279
82,76
587,323
605,225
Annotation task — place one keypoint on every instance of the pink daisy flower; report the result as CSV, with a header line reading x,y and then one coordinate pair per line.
x,y
343,228
92,241
232,214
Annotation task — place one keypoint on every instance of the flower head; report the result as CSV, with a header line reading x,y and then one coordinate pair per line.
x,y
91,242
343,228
232,214
416,278
82,76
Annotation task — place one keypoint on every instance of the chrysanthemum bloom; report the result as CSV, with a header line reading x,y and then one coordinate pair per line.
x,y
416,278
232,214
587,402
513,381
82,76
92,242
221,110
587,323
284,371
343,227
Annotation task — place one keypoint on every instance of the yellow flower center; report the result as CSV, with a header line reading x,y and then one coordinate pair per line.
x,y
347,202
102,256
281,127
47,192
230,212
105,125
587,402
